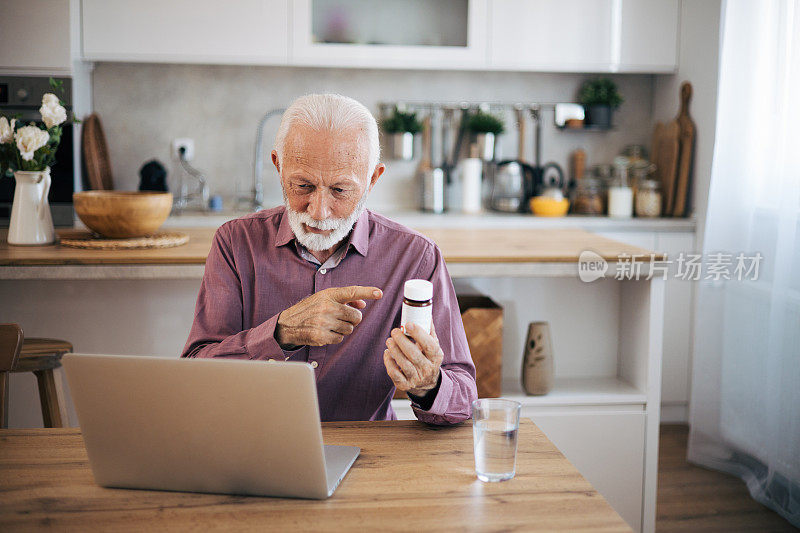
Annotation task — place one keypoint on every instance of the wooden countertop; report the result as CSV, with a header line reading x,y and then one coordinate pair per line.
x,y
427,483
457,245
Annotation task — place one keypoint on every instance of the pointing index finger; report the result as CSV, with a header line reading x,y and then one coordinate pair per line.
x,y
355,292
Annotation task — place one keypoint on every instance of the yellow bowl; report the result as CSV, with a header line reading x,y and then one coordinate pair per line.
x,y
542,206
123,214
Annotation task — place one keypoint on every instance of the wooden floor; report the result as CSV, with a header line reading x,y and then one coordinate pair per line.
x,y
691,498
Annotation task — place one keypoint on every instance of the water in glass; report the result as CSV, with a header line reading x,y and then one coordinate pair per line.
x,y
495,449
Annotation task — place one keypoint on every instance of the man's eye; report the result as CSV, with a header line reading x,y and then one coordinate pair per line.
x,y
338,190
304,186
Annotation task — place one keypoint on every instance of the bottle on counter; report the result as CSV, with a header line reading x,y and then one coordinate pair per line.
x,y
648,199
471,173
620,193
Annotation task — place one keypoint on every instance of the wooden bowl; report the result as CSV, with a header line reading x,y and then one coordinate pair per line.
x,y
123,214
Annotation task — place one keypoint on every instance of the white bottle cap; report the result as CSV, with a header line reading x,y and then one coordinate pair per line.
x,y
419,290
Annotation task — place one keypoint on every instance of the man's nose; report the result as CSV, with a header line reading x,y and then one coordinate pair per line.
x,y
318,206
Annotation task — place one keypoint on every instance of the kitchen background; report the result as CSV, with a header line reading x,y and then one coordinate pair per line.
x,y
145,105
220,106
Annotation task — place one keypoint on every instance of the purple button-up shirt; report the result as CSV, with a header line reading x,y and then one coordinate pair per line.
x,y
254,272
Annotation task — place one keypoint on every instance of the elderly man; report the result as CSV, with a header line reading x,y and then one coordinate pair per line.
x,y
321,280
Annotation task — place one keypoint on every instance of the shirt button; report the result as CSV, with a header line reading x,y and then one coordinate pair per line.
x,y
323,270
314,364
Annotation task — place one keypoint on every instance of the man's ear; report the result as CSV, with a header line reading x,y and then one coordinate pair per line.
x,y
276,162
375,175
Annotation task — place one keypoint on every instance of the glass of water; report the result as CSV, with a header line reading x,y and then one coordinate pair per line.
x,y
494,430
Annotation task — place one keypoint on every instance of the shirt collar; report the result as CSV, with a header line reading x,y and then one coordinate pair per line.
x,y
358,237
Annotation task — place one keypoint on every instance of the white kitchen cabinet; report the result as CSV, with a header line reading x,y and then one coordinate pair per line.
x,y
566,36
648,36
584,35
678,298
678,331
606,447
35,35
402,34
186,31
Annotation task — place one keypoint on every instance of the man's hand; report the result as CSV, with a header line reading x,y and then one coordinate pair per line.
x,y
324,317
413,366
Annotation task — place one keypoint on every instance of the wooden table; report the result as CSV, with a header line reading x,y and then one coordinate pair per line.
x,y
409,476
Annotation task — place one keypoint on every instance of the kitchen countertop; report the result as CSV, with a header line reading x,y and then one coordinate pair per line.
x,y
426,483
477,252
485,220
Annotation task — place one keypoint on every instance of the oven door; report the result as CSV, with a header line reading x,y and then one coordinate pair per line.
x,y
62,174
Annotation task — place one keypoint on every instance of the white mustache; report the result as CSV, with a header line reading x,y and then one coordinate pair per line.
x,y
325,225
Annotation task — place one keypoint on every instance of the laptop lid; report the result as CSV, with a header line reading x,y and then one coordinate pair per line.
x,y
200,425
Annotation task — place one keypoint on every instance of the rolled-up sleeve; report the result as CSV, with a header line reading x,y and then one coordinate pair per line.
x,y
217,330
457,389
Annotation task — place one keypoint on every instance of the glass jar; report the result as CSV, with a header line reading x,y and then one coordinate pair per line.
x,y
588,197
620,193
648,199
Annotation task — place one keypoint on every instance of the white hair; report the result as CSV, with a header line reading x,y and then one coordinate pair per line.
x,y
333,113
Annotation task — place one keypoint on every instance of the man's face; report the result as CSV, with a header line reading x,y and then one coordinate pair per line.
x,y
324,178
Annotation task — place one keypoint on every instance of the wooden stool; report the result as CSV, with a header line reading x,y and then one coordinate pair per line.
x,y
40,356
10,346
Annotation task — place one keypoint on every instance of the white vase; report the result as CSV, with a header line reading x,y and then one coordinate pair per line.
x,y
31,222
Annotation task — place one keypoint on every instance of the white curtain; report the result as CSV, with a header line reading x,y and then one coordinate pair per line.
x,y
745,403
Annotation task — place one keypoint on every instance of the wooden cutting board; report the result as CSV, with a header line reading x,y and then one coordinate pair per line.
x,y
686,138
665,156
95,155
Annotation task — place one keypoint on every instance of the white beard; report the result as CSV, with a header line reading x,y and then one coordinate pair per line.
x,y
317,242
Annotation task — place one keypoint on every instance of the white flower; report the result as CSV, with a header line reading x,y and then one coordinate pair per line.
x,y
29,139
6,130
53,113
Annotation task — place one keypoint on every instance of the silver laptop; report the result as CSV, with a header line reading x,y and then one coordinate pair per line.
x,y
204,425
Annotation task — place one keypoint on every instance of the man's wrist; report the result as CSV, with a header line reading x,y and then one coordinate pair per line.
x,y
280,334
426,399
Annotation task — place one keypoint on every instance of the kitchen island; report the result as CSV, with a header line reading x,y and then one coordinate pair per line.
x,y
603,412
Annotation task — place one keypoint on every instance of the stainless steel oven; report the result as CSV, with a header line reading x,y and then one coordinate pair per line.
x,y
21,97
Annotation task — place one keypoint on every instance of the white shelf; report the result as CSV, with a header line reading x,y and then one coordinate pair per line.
x,y
578,391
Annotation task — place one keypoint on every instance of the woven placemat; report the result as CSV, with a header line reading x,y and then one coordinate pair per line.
x,y
96,242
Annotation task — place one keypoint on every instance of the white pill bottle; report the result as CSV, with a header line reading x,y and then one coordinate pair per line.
x,y
417,304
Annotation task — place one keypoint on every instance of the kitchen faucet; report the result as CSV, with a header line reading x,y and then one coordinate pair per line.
x,y
257,200
200,193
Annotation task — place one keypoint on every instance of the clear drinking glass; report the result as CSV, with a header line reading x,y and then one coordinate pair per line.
x,y
494,430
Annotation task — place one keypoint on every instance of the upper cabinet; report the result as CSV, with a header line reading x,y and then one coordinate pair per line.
x,y
35,34
398,34
186,31
525,35
648,35
584,35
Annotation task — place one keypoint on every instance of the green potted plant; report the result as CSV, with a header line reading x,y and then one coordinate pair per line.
x,y
401,127
486,127
599,97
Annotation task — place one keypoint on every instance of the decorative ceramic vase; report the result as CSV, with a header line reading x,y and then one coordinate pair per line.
x,y
487,143
31,221
537,360
402,145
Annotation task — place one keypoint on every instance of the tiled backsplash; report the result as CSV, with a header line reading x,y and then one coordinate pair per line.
x,y
143,107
